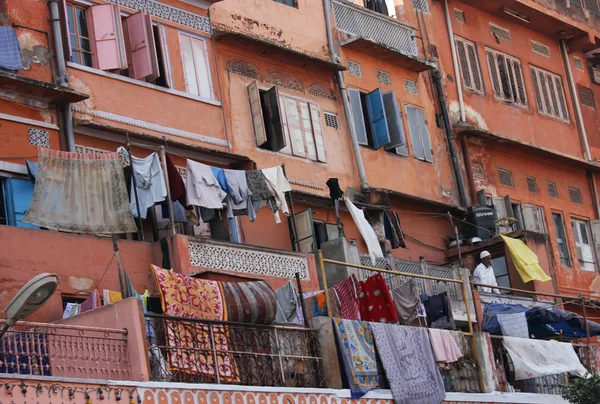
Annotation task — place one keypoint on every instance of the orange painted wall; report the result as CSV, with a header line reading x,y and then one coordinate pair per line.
x,y
14,140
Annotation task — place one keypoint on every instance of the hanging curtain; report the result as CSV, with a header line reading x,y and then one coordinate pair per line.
x,y
80,193
378,6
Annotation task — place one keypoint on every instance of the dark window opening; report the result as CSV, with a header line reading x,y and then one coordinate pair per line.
x,y
81,50
3,211
363,99
161,80
501,271
72,299
291,3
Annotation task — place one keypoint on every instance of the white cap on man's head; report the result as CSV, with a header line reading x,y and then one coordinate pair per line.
x,y
484,254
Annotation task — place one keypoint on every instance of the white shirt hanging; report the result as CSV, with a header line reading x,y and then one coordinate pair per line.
x,y
202,188
366,231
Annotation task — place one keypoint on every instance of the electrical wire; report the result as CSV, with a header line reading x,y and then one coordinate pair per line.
x,y
104,273
411,238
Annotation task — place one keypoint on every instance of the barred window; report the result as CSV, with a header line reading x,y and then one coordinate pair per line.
x,y
552,190
469,65
506,177
532,184
549,94
507,77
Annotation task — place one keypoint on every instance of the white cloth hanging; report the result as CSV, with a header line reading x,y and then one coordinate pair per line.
x,y
366,231
202,188
279,185
149,181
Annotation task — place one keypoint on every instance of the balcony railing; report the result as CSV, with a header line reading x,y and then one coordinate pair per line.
x,y
363,23
42,349
201,351
593,6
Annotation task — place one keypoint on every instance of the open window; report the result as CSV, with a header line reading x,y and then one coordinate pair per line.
x,y
561,240
377,120
419,135
286,124
15,198
305,230
195,65
583,243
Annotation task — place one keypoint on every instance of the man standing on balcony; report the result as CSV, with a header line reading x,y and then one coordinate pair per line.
x,y
484,273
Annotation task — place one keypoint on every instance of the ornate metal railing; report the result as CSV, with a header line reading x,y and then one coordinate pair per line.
x,y
202,351
363,23
66,351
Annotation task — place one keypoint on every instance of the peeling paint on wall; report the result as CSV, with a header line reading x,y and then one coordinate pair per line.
x,y
76,84
472,115
81,283
32,51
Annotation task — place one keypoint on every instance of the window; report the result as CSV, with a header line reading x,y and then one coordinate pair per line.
x,y
500,33
421,5
377,120
469,65
540,48
505,177
501,271
286,124
195,66
99,37
419,135
552,190
581,232
532,184
533,218
507,77
331,120
575,196
460,16
586,96
561,240
15,197
79,39
549,94
291,3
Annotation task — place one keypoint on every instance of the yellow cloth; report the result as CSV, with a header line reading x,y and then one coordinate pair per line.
x,y
525,260
111,296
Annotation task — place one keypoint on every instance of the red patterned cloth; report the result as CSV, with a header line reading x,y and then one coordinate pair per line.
x,y
347,291
375,301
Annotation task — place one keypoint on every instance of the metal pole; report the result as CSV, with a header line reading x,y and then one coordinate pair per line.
x,y
457,76
163,159
324,279
294,228
587,326
119,271
457,240
135,193
301,299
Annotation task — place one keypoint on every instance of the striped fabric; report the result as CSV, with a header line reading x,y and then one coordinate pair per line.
x,y
10,55
250,302
347,291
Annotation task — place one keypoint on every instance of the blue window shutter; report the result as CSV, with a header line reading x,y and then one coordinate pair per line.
x,y
377,118
394,121
19,194
415,135
424,135
358,116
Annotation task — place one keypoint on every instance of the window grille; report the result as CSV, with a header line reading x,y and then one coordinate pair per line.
x,y
575,196
506,177
507,77
331,120
469,65
549,94
532,185
552,190
500,33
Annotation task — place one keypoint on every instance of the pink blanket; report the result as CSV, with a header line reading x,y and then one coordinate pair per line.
x,y
444,346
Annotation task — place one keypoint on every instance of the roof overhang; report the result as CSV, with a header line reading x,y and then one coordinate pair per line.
x,y
37,89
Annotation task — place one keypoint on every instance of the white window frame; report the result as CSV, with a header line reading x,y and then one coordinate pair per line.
x,y
206,61
562,240
469,65
576,226
509,62
557,96
289,148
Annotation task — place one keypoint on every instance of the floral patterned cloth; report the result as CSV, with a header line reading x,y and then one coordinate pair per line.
x,y
375,301
80,193
190,345
355,342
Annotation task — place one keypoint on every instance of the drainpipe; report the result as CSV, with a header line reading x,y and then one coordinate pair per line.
x,y
575,98
594,187
457,76
59,53
437,80
344,94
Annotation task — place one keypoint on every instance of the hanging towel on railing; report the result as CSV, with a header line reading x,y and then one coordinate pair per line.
x,y
10,53
91,303
348,291
375,301
80,193
149,182
239,197
279,185
445,348
250,302
406,301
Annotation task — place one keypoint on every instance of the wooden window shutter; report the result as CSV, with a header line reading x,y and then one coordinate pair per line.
x,y
424,133
305,230
561,98
64,24
294,126
394,121
276,139
162,37
415,136
260,134
595,230
494,74
503,76
318,132
106,37
544,85
144,62
307,127
464,64
529,217
357,116
474,66
377,119
286,133
18,198
520,93
536,88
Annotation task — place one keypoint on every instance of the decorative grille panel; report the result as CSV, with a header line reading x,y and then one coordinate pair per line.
x,y
248,260
506,177
460,16
575,196
354,68
421,5
243,68
331,120
39,137
500,33
183,172
361,23
586,96
478,171
532,185
93,150
578,63
596,75
410,87
170,13
540,48
384,78
552,190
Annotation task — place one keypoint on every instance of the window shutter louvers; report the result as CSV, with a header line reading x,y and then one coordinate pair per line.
x,y
424,132
318,132
286,133
308,129
464,64
473,63
305,230
18,199
277,140
415,136
561,98
553,96
494,74
520,86
394,121
377,119
106,37
144,62
294,126
536,88
357,116
258,123
503,76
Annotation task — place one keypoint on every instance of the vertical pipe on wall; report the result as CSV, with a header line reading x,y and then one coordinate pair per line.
x,y
344,94
594,187
457,77
574,97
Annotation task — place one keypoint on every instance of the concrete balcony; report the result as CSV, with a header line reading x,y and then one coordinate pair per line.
x,y
379,36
